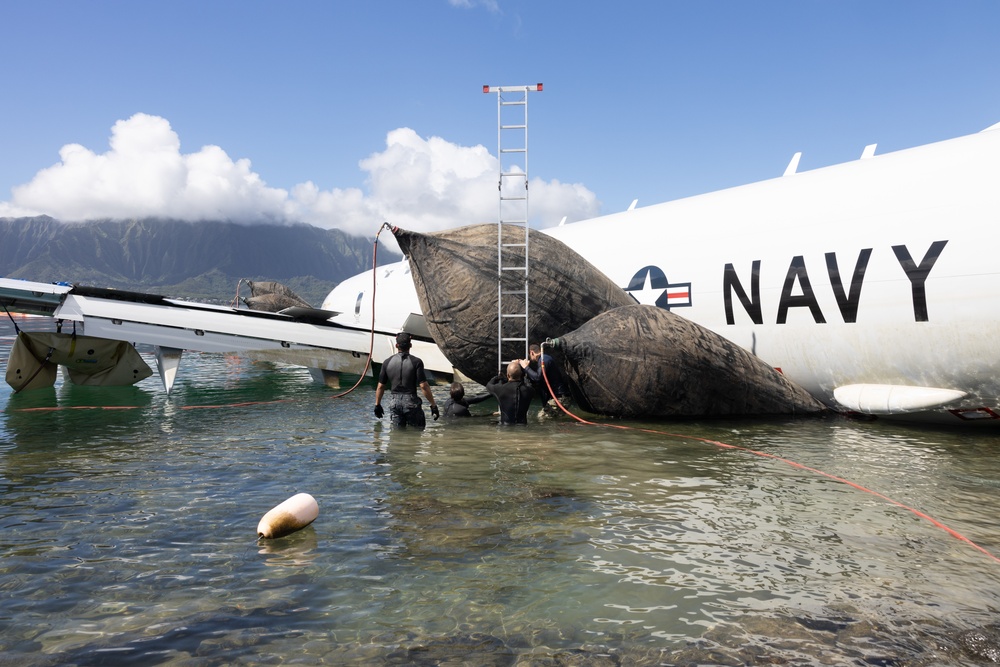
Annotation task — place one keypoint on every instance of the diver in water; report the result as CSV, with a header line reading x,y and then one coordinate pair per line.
x,y
513,394
533,369
404,372
458,404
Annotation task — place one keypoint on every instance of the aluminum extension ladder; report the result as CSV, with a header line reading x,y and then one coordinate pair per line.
x,y
512,251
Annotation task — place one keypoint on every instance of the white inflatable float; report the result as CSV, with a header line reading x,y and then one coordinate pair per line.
x,y
295,513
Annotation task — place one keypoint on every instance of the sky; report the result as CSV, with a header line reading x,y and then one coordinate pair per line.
x,y
347,114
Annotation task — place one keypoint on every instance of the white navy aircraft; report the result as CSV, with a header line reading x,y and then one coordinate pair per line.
x,y
873,284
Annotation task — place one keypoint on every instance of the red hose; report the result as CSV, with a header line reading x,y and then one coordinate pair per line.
x,y
371,339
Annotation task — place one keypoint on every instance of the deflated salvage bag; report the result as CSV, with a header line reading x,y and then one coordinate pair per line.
x,y
272,297
88,361
646,361
26,370
455,274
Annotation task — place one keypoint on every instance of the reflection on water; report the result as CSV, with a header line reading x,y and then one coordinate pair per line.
x,y
129,520
296,550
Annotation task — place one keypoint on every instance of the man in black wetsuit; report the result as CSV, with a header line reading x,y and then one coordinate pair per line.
x,y
458,404
514,395
404,372
533,370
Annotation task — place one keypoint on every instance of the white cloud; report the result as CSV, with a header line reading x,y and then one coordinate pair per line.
x,y
491,5
416,183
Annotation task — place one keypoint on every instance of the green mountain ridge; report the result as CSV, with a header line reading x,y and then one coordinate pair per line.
x,y
203,261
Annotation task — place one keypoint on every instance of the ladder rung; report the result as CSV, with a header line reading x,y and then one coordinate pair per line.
x,y
512,250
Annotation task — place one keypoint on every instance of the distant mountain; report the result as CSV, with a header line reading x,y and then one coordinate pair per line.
x,y
194,260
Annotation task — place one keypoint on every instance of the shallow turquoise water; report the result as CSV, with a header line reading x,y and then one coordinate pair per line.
x,y
129,533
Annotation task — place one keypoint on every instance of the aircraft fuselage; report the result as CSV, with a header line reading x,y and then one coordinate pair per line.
x,y
873,284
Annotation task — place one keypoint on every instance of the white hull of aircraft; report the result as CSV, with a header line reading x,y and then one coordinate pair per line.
x,y
873,284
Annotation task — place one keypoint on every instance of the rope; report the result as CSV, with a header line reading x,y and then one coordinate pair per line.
x,y
17,329
37,370
61,408
234,405
775,457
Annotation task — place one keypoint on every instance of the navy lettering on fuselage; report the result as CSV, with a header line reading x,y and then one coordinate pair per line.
x,y
797,271
918,275
730,282
848,300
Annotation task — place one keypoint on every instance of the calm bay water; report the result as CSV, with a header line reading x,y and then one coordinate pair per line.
x,y
129,518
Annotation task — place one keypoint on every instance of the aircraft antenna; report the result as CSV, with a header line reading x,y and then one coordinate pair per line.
x,y
512,216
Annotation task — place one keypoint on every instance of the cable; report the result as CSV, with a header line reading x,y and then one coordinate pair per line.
x,y
17,329
371,339
38,370
60,408
234,405
236,299
775,457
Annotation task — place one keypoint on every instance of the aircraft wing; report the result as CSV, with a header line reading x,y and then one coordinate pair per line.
x,y
298,336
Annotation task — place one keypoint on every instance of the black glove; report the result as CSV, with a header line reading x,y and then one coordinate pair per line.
x,y
379,412
434,411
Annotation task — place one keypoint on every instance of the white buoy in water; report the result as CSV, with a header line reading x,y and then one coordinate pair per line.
x,y
297,512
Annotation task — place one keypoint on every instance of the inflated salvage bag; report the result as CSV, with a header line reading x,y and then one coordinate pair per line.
x,y
455,274
642,360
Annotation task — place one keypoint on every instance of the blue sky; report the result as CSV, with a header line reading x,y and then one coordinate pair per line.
x,y
344,114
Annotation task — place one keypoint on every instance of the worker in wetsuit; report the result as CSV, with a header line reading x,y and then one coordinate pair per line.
x,y
533,369
513,394
403,373
458,404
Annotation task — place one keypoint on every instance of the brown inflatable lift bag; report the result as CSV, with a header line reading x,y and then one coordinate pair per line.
x,y
455,274
643,360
